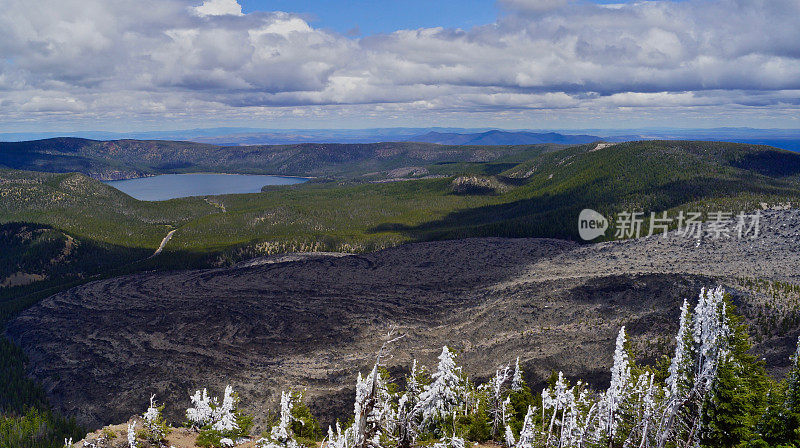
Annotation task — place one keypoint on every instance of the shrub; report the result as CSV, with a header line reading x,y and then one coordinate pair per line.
x,y
155,428
305,427
477,426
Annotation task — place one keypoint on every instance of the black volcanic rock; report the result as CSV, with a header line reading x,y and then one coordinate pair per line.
x,y
313,322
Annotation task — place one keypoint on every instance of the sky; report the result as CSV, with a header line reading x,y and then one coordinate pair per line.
x,y
122,65
365,17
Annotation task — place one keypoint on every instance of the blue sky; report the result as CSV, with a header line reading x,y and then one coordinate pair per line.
x,y
386,16
70,65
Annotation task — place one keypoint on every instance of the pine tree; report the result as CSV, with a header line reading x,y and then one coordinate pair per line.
x,y
519,400
443,395
201,414
281,435
527,436
516,381
680,370
737,388
155,427
679,381
406,406
618,390
792,403
780,423
224,418
496,389
132,435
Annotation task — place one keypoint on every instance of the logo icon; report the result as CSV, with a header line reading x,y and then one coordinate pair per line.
x,y
591,224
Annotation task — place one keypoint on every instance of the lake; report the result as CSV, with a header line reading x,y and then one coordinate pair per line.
x,y
170,186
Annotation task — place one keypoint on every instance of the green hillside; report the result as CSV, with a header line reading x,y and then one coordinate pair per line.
x,y
650,176
87,208
133,158
541,196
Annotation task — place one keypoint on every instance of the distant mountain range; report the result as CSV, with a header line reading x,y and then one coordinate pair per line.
x,y
496,137
238,136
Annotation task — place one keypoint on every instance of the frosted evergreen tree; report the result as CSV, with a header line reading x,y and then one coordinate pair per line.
x,y
516,381
282,431
567,413
406,406
732,381
555,401
576,416
644,409
710,334
374,415
618,390
694,368
510,441
527,435
365,392
497,405
679,379
217,420
281,435
450,442
155,427
507,410
443,395
152,413
586,407
224,417
201,414
340,439
132,434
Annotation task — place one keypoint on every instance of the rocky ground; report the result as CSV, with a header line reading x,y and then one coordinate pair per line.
x,y
116,436
313,322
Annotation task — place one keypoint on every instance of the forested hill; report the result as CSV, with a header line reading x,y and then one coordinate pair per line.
x,y
538,197
117,159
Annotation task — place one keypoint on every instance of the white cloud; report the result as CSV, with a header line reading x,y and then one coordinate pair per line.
x,y
52,103
218,8
124,60
285,25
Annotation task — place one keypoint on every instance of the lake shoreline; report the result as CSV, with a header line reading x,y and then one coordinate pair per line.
x,y
164,187
208,172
